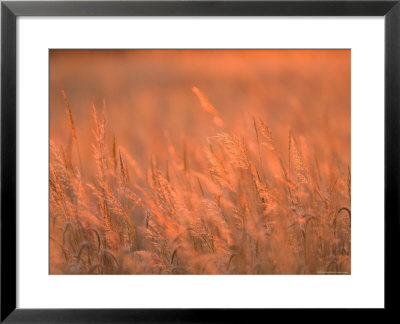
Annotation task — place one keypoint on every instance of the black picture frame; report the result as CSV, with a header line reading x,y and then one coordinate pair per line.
x,y
10,10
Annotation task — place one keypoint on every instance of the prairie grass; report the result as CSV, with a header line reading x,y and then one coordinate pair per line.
x,y
234,201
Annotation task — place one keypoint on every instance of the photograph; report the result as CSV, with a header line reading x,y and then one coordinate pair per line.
x,y
199,161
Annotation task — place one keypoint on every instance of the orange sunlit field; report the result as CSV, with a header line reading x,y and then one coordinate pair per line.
x,y
200,162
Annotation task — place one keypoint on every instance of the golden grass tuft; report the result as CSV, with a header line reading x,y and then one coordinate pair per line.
x,y
230,203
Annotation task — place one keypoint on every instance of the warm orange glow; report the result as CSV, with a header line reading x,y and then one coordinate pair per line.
x,y
200,162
